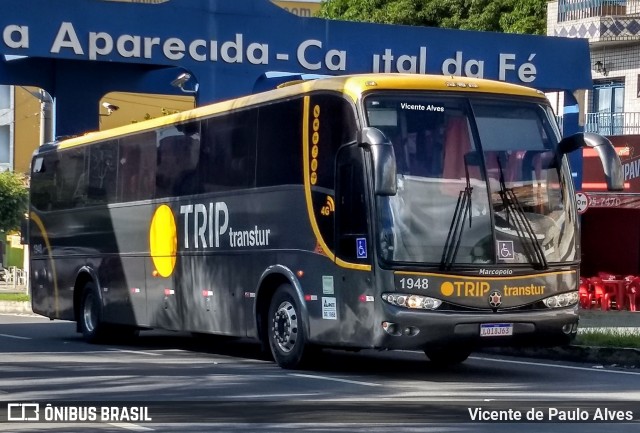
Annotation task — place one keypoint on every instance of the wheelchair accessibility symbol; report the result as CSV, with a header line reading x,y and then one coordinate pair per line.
x,y
361,245
505,250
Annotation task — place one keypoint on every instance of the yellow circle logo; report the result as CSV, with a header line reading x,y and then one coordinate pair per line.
x,y
163,240
446,289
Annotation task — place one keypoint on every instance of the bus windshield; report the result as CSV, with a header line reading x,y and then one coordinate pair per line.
x,y
479,182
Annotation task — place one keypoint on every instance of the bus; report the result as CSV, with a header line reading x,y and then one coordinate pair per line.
x,y
379,211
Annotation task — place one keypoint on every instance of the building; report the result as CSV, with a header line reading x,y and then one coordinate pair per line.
x,y
6,127
611,232
613,30
19,123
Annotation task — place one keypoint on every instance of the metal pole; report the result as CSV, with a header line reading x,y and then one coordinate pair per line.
x,y
46,117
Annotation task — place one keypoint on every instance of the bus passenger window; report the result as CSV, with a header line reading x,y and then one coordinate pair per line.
x,y
137,171
70,179
102,174
177,159
279,147
228,153
43,184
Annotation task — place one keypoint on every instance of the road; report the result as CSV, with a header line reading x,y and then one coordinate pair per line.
x,y
190,384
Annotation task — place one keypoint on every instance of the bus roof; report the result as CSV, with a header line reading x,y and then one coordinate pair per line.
x,y
352,86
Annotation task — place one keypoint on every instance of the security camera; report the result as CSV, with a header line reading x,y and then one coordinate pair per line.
x,y
181,80
110,107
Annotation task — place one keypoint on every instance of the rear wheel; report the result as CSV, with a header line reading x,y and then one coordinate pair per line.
x,y
447,356
285,330
90,320
93,329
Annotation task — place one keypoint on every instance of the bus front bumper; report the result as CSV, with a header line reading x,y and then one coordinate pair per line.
x,y
406,329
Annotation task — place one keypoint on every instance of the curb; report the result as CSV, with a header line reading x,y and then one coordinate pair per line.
x,y
609,356
609,319
16,307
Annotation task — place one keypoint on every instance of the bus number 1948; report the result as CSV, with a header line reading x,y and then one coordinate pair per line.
x,y
414,283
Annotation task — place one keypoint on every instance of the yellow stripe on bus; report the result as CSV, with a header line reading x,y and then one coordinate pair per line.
x,y
307,193
36,219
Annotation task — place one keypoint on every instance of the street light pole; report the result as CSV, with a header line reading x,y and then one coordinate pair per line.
x,y
46,114
46,117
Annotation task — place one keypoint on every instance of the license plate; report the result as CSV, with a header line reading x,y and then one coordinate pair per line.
x,y
496,329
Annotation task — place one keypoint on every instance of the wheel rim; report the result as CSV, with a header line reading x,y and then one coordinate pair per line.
x,y
284,327
89,314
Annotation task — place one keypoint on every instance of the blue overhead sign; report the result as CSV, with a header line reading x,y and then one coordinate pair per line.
x,y
86,48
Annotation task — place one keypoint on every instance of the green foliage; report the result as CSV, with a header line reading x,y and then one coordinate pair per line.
x,y
616,337
13,200
507,16
14,297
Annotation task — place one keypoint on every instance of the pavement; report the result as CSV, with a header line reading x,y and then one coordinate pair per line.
x,y
11,307
615,321
10,288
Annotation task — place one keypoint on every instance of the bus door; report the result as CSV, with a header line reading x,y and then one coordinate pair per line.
x,y
354,247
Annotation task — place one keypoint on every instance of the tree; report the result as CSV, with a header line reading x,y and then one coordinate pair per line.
x,y
13,200
507,16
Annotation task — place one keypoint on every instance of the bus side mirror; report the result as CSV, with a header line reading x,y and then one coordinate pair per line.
x,y
384,160
608,157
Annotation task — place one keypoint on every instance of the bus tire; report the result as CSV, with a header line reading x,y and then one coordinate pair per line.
x,y
285,329
447,356
90,320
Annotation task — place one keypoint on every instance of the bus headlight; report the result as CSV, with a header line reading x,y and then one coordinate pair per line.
x,y
562,300
412,301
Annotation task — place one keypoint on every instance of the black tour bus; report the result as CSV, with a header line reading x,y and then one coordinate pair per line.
x,y
381,211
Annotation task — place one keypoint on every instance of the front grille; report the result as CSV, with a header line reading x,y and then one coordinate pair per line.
x,y
447,306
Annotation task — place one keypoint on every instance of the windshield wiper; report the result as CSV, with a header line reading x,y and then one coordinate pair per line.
x,y
520,222
460,214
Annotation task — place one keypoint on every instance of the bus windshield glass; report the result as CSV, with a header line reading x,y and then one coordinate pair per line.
x,y
479,182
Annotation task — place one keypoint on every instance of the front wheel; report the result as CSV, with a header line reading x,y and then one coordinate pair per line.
x,y
447,356
286,332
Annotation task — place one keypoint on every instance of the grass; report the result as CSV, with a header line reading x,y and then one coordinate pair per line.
x,y
603,337
19,297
